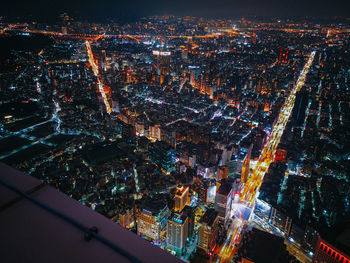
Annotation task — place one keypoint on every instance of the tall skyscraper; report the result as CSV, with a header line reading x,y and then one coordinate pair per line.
x,y
299,110
152,221
223,201
126,218
177,232
246,165
208,230
162,61
181,197
163,155
188,211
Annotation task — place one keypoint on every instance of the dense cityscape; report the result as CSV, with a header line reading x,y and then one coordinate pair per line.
x,y
217,140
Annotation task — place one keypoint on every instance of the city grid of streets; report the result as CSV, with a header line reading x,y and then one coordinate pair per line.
x,y
188,101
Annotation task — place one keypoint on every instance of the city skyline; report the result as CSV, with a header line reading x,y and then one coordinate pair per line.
x,y
213,139
123,11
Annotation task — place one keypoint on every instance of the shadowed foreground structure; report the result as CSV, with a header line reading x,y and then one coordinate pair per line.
x,y
40,224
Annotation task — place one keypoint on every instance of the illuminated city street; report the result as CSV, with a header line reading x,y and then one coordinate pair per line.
x,y
229,248
253,184
159,131
95,69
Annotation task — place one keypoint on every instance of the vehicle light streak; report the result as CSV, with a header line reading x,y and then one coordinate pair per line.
x,y
252,186
94,67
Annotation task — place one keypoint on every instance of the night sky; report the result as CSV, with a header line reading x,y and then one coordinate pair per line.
x,y
101,10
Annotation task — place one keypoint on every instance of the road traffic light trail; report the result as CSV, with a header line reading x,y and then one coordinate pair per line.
x,y
251,188
94,67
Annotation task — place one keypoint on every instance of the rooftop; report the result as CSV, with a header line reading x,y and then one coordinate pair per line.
x,y
339,237
153,206
264,247
180,190
224,189
209,217
178,218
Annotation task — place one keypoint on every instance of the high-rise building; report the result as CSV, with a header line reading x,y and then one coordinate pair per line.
x,y
103,60
162,61
126,218
310,238
177,232
281,220
168,135
223,201
208,230
152,220
181,197
299,110
163,155
336,251
246,165
260,246
210,188
189,212
222,172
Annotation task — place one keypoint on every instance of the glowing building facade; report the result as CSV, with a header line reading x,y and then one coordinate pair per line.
x,y
177,232
208,231
152,220
181,197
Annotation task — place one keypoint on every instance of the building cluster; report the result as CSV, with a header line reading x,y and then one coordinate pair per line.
x,y
192,103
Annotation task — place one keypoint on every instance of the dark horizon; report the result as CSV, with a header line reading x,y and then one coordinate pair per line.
x,y
122,11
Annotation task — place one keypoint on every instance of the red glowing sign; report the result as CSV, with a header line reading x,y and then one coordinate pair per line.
x,y
280,155
333,253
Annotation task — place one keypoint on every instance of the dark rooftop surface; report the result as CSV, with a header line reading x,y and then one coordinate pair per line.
x,y
224,189
153,205
209,217
344,239
339,237
30,233
265,247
